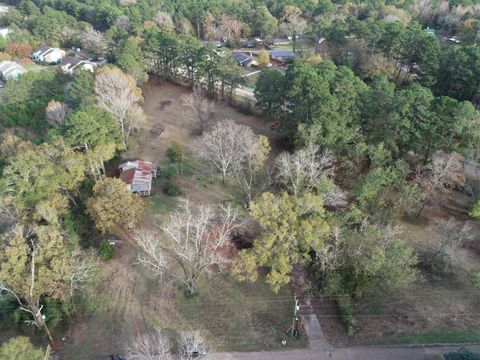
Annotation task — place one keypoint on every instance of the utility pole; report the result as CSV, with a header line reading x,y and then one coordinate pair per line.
x,y
294,326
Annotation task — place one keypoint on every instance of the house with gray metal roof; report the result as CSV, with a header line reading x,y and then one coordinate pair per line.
x,y
11,70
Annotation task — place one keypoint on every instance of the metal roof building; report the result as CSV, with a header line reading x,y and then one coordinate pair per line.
x,y
11,70
138,175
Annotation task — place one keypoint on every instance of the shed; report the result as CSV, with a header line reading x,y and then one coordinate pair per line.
x,y
138,175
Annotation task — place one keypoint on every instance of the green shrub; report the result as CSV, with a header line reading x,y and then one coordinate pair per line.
x,y
169,171
174,152
55,311
348,316
462,354
172,188
475,212
107,251
20,347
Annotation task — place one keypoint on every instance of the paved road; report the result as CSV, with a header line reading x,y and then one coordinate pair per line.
x,y
354,353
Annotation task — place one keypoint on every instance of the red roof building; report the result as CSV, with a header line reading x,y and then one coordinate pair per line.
x,y
138,175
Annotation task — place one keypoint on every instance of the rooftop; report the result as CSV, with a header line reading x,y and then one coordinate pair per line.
x,y
139,171
242,58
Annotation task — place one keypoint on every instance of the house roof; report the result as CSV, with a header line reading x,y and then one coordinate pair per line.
x,y
71,61
242,58
128,175
135,172
282,53
43,49
10,68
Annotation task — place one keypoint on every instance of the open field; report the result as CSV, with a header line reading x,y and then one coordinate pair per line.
x,y
129,299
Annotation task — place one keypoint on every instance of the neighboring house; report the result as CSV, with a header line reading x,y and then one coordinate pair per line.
x,y
282,55
243,59
48,55
138,175
4,32
71,64
10,70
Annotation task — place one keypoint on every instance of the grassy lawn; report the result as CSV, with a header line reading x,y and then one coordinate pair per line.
x,y
251,81
240,316
31,66
129,299
436,337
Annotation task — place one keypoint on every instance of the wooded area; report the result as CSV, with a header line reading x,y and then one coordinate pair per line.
x,y
351,159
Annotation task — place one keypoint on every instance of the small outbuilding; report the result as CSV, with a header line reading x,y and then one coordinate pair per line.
x,y
138,175
10,70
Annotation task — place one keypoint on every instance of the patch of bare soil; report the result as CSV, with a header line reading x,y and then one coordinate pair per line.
x,y
168,121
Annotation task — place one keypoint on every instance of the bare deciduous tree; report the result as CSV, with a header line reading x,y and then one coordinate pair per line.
x,y
299,171
56,112
453,234
164,20
230,27
210,29
123,22
190,344
70,35
199,107
84,269
328,254
253,162
292,23
93,41
226,145
118,93
195,240
444,173
335,198
149,347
